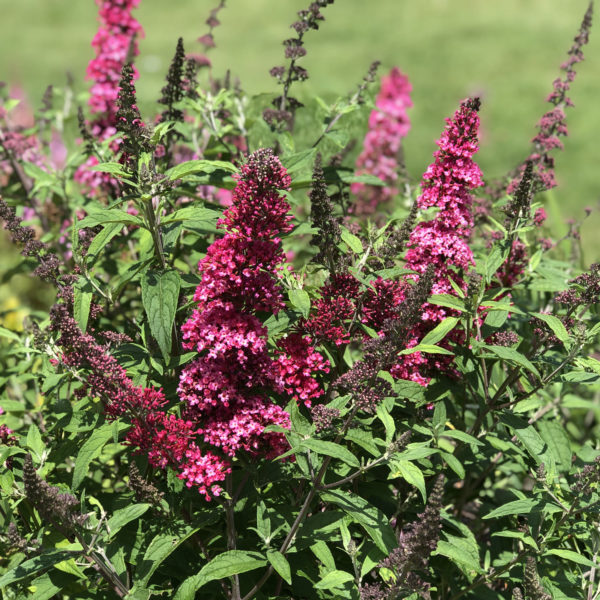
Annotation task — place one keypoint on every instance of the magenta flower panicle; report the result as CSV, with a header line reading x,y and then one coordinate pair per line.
x,y
443,241
227,388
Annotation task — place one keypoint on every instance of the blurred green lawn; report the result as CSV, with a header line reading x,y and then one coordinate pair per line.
x,y
507,52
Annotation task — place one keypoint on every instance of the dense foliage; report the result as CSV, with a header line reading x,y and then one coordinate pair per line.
x,y
276,367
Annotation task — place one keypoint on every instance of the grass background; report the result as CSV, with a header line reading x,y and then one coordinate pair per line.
x,y
507,52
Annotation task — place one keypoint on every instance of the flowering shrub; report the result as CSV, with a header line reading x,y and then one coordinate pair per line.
x,y
278,368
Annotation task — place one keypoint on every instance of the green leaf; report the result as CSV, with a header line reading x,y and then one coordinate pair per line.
x,y
373,556
114,168
280,564
364,439
102,216
334,579
161,130
518,535
159,549
462,436
411,390
331,449
41,588
572,556
516,507
440,331
439,416
187,590
448,301
529,437
90,450
324,555
559,330
558,443
493,262
227,564
365,178
501,306
300,162
82,301
352,241
426,349
371,518
160,295
388,422
512,355
34,441
193,217
322,526
300,424
34,565
192,167
496,318
300,300
454,464
125,515
410,473
7,333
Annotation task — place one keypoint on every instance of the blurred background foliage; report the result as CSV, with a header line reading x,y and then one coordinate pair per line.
x,y
506,52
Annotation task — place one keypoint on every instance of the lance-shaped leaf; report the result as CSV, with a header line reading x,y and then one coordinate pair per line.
x,y
160,295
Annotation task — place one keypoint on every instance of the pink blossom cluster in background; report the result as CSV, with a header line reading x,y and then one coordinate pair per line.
x,y
388,124
115,40
226,387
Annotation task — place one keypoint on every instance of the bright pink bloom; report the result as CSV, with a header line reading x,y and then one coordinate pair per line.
x,y
443,240
388,124
447,184
298,363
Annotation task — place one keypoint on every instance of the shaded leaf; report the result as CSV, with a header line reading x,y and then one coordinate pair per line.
x,y
331,449
89,451
371,518
280,564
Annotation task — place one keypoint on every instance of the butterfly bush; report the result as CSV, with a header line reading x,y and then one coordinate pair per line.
x,y
264,375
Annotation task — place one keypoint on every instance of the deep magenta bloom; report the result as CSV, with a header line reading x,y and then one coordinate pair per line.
x,y
227,388
388,125
333,311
